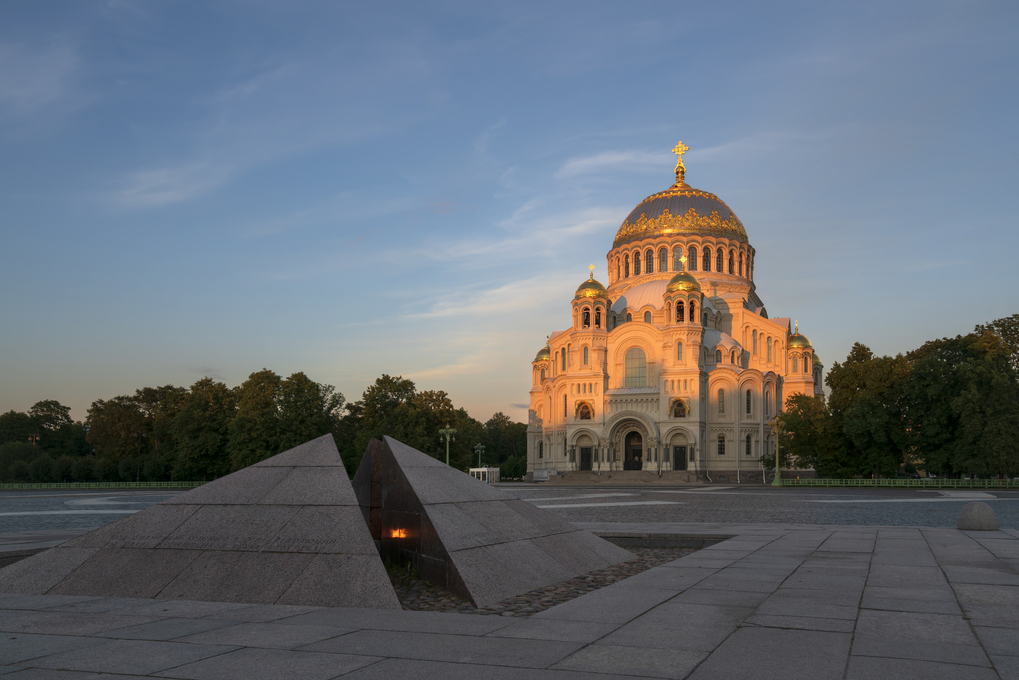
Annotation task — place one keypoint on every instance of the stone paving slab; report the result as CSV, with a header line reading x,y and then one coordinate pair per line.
x,y
780,602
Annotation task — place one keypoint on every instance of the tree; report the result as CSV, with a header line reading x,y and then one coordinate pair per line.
x,y
160,406
964,405
1007,329
307,410
254,431
870,432
112,426
201,430
15,427
806,439
50,415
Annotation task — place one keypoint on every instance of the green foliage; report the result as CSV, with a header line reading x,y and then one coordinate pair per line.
x,y
15,452
201,431
15,427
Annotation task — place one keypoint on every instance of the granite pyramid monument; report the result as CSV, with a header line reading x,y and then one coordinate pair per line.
x,y
287,530
467,536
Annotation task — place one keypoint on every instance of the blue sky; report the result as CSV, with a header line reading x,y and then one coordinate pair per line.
x,y
351,189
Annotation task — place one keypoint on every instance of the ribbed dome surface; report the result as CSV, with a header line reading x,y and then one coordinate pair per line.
x,y
680,209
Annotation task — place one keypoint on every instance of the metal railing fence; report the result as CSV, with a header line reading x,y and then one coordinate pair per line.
x,y
923,483
99,485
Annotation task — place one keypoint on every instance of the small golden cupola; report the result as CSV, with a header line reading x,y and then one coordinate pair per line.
x,y
798,341
682,282
543,354
591,288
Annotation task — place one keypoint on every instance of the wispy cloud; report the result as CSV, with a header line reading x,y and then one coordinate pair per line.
x,y
38,82
615,161
150,188
501,300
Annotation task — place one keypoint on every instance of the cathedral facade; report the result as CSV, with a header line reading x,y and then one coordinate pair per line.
x,y
676,365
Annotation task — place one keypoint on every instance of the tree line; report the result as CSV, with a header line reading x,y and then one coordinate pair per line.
x,y
949,407
210,429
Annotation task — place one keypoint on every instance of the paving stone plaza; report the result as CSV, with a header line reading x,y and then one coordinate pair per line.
x,y
769,599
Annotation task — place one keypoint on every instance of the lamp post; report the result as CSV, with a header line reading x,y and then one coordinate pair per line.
x,y
448,434
33,438
479,449
775,427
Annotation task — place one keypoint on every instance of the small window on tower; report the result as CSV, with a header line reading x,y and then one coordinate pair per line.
x,y
647,317
691,259
587,318
679,351
741,264
721,401
649,261
636,263
718,261
677,262
626,266
718,356
679,312
749,452
629,317
585,356
597,318
721,444
707,259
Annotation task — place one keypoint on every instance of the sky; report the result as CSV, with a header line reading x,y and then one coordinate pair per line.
x,y
348,189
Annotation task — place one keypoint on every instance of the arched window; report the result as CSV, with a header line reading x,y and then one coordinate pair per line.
x,y
543,374
721,444
647,317
693,312
663,260
749,402
597,317
755,343
587,318
721,401
707,260
613,321
718,356
749,451
718,261
705,319
564,409
629,317
584,412
618,270
796,365
649,261
585,356
541,449
732,264
732,358
677,262
769,349
626,266
741,264
767,403
636,263
636,368
679,351
679,312
564,359
679,410
691,259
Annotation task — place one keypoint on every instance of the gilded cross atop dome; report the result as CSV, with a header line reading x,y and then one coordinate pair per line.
x,y
682,258
679,150
591,267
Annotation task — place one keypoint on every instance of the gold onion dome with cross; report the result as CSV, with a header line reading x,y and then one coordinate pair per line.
x,y
798,341
680,209
591,288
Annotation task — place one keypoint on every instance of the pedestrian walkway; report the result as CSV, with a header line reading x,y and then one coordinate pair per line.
x,y
773,601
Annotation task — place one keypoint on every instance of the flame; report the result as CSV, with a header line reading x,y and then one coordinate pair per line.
x,y
398,533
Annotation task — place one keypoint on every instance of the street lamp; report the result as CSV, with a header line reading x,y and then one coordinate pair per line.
x,y
447,434
775,427
479,449
33,438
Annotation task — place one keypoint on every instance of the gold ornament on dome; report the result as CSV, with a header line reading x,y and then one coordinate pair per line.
x,y
667,223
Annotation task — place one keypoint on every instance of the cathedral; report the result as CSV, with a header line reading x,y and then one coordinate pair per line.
x,y
676,365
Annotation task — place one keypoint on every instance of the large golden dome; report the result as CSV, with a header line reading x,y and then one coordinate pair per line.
x,y
680,209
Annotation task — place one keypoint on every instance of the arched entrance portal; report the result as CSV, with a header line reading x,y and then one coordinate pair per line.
x,y
634,451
